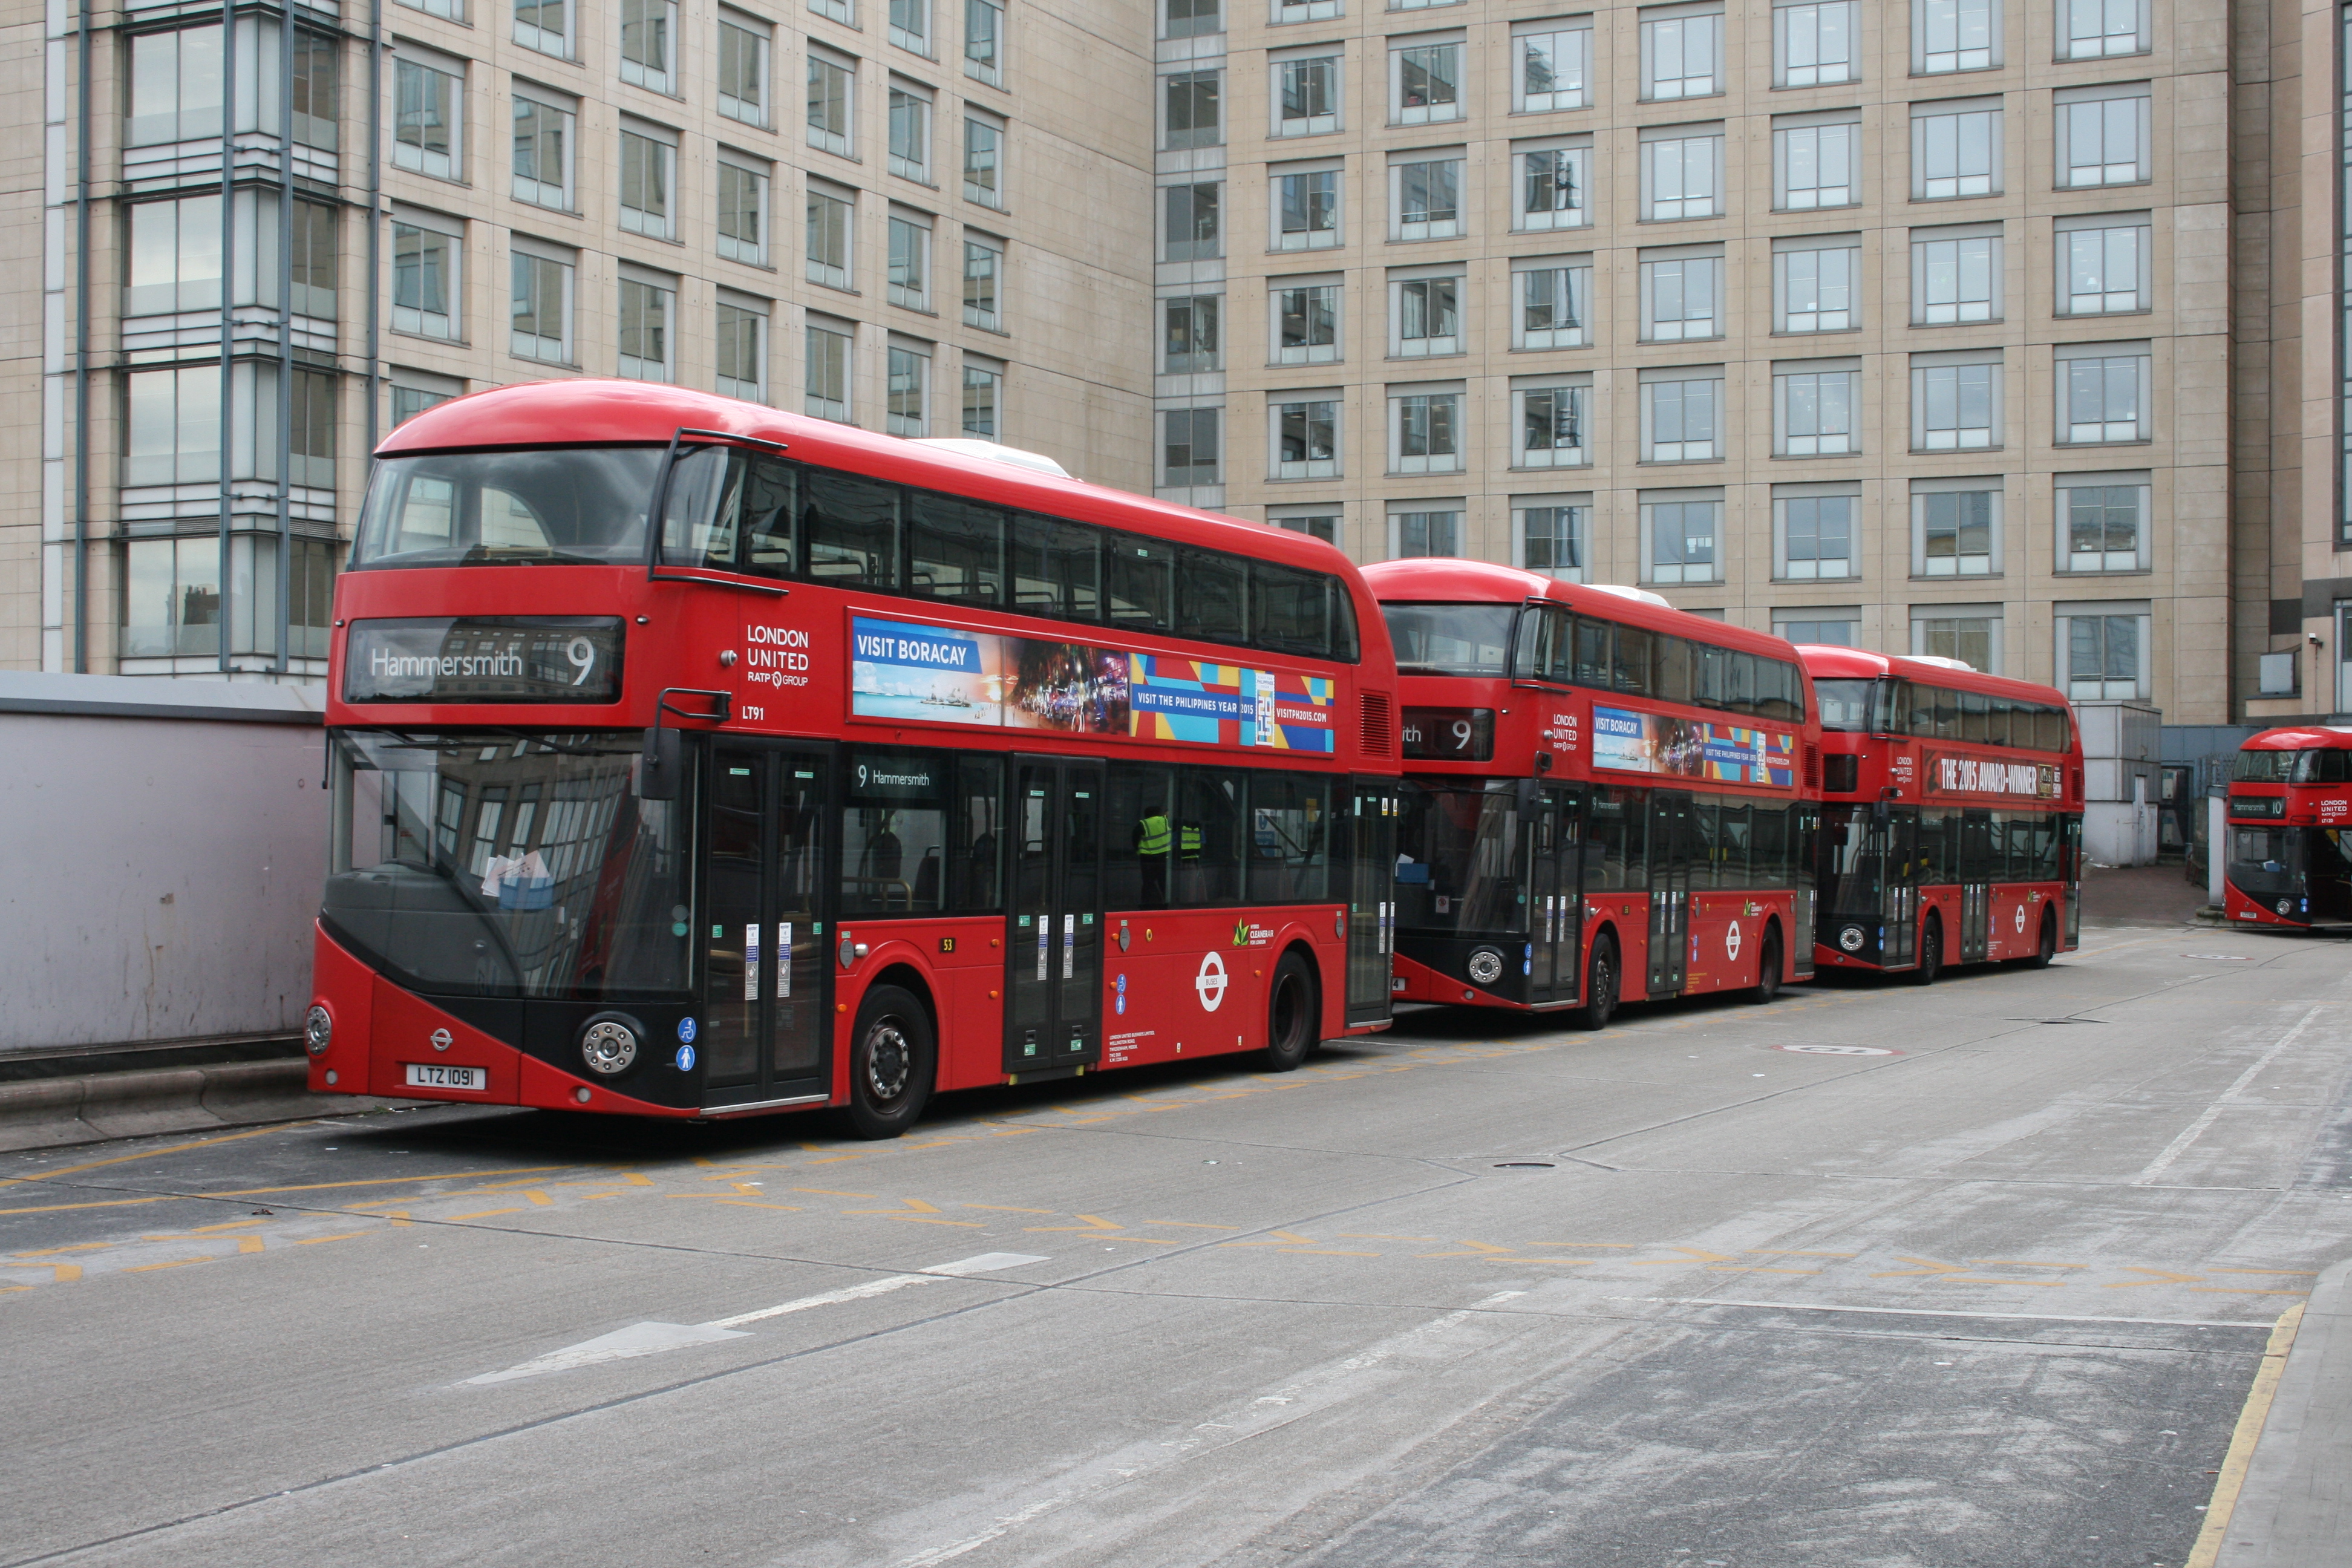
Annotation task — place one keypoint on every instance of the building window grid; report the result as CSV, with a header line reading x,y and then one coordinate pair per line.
x,y
983,279
741,337
911,135
1974,640
1553,189
2103,142
1682,176
1428,317
1191,452
2104,271
1555,539
1420,533
1681,538
1306,440
1194,230
544,26
832,223
647,309
828,356
1553,65
2105,398
542,154
542,307
983,402
1956,154
1429,198
1552,427
983,45
1681,420
1307,95
1814,166
1681,56
1814,538
648,28
1191,18
1813,43
830,84
1192,334
1428,83
2105,655
742,213
2102,528
1306,324
2095,30
1816,289
910,25
1956,408
425,280
743,73
1682,298
1956,280
1553,311
910,264
842,11
1955,36
1813,413
1307,213
1195,114
1286,11
983,162
1955,533
428,105
907,392
647,165
1426,429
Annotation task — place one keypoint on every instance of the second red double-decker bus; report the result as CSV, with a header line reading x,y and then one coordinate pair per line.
x,y
692,759
1605,798
2289,858
1951,814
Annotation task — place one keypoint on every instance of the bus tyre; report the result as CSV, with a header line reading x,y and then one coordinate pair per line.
x,y
2047,949
1931,950
892,1061
1293,1015
1767,968
1600,986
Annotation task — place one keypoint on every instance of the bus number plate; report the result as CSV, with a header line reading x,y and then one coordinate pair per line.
x,y
432,1075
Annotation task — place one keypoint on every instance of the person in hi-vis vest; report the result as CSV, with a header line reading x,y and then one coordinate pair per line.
x,y
1152,844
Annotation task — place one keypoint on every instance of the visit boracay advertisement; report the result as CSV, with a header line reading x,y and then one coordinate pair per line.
x,y
1636,743
948,675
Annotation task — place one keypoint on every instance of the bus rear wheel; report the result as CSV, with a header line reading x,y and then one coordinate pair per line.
x,y
1767,968
1931,950
892,1063
1292,1016
2047,948
1600,986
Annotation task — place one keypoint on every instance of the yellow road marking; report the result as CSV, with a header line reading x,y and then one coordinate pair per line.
x,y
2244,1290
276,1191
539,1198
2297,1273
1697,1255
829,1193
315,1240
480,1214
1189,1224
53,1251
1091,1222
2248,1432
743,1203
2019,1263
2163,1277
917,1212
175,1263
1769,1252
1005,1208
249,1243
144,1154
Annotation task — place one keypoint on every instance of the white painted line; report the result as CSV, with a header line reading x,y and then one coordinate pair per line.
x,y
652,1338
2195,1130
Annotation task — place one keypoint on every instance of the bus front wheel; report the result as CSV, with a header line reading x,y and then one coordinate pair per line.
x,y
1600,986
1293,1018
891,1063
1931,950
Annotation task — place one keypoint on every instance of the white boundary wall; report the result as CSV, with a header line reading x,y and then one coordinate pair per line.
x,y
161,852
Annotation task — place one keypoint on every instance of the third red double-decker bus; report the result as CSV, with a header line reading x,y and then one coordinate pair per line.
x,y
696,759
2289,861
1605,798
1951,814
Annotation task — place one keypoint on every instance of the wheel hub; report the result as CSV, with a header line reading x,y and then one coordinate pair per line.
x,y
888,1062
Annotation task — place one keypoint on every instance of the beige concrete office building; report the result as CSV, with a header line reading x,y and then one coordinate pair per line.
x,y
2003,328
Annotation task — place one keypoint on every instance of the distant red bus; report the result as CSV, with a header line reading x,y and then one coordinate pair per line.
x,y
2289,859
1951,814
877,767
1605,798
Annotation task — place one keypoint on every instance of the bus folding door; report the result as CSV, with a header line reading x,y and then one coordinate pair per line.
x,y
1900,914
1053,927
1975,885
1371,898
1555,920
2070,850
1672,845
1806,904
767,1029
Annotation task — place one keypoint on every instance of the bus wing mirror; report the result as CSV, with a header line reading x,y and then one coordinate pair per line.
x,y
657,777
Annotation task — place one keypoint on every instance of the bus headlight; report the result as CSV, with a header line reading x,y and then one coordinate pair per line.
x,y
1485,966
318,1029
609,1044
1851,939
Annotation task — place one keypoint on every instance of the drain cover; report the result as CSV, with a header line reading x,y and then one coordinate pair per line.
x,y
1839,1050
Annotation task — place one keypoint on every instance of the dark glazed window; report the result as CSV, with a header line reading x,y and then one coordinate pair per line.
x,y
1290,816
1139,836
956,551
1213,595
1290,610
1057,569
1209,838
1142,583
851,529
975,853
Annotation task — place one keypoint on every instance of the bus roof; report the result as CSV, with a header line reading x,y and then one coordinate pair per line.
x,y
1826,661
2302,738
595,413
1451,580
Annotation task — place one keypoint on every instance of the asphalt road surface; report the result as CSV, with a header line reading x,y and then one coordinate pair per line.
x,y
1873,1275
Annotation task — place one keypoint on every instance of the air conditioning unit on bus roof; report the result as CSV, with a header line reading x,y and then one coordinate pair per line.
x,y
1623,592
1938,660
972,447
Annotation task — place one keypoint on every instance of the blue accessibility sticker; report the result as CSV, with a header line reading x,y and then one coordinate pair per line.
x,y
686,1059
686,1030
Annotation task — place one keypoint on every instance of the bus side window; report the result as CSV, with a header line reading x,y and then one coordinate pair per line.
x,y
1142,584
1057,568
1976,717
2001,721
1783,694
851,527
1538,632
976,856
770,519
1740,698
1591,652
1139,836
1671,679
1288,610
1710,675
1289,817
894,833
1344,646
1732,868
1633,653
955,550
1768,849
1213,595
1208,837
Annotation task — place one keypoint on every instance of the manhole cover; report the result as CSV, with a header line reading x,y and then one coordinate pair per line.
x,y
1840,1050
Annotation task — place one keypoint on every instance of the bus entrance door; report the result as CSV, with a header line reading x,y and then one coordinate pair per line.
x,y
765,1034
1975,885
1555,920
1900,945
1671,832
1053,1009
1371,893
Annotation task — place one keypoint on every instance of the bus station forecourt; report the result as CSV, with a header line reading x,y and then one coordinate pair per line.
x,y
673,801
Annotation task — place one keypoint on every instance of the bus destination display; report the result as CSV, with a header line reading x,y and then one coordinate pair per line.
x,y
485,658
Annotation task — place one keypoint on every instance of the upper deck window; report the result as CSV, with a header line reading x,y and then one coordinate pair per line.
x,y
1451,640
1845,704
576,507
2324,765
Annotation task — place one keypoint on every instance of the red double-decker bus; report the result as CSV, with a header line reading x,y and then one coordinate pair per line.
x,y
1605,798
2289,859
1951,814
691,759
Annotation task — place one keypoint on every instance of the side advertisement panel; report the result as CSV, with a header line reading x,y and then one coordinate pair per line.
x,y
1637,743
